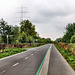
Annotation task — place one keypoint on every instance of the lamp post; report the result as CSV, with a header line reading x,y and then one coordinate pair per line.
x,y
7,39
33,39
7,42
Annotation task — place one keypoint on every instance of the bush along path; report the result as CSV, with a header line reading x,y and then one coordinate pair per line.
x,y
11,51
68,55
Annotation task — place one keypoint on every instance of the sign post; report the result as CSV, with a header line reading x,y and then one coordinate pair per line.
x,y
59,40
7,42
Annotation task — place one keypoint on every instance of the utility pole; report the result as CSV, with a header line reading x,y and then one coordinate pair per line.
x,y
22,13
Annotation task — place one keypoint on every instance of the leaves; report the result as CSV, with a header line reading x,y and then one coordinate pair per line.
x,y
70,31
27,27
67,55
72,39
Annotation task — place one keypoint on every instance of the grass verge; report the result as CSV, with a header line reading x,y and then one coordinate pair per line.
x,y
68,55
11,51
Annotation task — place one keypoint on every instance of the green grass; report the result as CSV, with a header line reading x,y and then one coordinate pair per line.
x,y
68,56
11,51
15,50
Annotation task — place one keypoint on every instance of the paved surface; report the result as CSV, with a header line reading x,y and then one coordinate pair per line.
x,y
26,63
58,65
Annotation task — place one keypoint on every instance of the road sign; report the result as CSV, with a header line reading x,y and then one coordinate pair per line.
x,y
59,40
7,36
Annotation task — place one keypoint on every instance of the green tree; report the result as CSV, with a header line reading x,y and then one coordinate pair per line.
x,y
57,40
5,30
11,31
43,40
1,39
29,39
2,26
23,37
16,34
66,38
28,28
48,40
72,39
70,31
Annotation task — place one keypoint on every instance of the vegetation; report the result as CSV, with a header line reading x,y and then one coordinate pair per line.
x,y
67,44
24,34
73,48
67,53
11,51
43,40
70,31
69,34
72,39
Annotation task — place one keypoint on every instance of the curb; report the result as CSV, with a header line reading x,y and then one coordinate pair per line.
x,y
43,69
67,64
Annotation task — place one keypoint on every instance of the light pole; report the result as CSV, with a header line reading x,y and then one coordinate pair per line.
x,y
33,41
7,39
7,42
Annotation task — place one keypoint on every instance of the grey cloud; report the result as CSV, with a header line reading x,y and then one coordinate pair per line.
x,y
48,13
49,16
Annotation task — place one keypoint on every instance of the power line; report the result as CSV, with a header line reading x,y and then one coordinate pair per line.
x,y
23,12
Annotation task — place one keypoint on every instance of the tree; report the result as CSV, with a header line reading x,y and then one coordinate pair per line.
x,y
48,40
16,34
1,39
29,39
27,27
5,30
11,31
58,40
66,38
23,37
2,26
70,31
72,39
43,40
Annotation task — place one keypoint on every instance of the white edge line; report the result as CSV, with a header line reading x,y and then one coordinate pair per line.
x,y
3,71
16,64
17,54
26,57
14,55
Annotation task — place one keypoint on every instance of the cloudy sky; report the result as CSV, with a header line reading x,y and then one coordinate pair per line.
x,y
49,16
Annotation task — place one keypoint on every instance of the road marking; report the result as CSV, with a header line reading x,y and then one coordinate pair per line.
x,y
3,71
16,64
50,46
26,57
31,54
35,52
18,54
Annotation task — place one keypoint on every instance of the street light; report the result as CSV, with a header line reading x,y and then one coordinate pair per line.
x,y
7,39
7,42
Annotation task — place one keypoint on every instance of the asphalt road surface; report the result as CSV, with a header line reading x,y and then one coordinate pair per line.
x,y
26,63
58,65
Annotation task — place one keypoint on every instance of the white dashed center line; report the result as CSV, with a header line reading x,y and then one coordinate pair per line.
x,y
31,54
16,64
26,57
3,71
